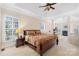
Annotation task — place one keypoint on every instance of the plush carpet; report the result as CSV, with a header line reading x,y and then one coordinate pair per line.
x,y
63,49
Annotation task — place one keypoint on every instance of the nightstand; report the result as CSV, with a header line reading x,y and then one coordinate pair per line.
x,y
20,42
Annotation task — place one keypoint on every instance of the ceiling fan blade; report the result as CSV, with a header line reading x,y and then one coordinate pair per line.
x,y
53,3
42,6
52,7
45,9
48,9
48,6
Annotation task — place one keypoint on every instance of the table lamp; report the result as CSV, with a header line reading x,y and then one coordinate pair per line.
x,y
19,31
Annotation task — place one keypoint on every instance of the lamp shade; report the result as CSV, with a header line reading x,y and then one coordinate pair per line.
x,y
19,30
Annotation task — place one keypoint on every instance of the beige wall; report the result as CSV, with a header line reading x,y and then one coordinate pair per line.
x,y
30,23
0,28
48,25
26,22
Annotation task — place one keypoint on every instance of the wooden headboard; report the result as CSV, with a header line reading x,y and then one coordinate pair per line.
x,y
32,32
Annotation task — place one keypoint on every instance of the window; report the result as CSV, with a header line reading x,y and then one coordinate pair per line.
x,y
11,23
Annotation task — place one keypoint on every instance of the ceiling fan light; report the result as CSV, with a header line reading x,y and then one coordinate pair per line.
x,y
48,6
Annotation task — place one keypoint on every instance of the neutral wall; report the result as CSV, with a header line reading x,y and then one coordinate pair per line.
x,y
48,25
0,28
30,23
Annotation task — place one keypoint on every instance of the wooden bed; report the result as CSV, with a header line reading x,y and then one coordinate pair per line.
x,y
38,41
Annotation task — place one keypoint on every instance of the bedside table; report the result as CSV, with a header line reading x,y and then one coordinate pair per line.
x,y
20,42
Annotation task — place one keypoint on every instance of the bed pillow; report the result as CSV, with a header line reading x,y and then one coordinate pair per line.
x,y
37,32
27,37
30,33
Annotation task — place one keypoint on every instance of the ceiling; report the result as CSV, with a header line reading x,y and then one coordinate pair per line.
x,y
60,8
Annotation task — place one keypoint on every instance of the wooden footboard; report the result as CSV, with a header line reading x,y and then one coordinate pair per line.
x,y
43,44
42,48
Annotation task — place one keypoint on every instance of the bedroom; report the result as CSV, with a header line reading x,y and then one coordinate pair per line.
x,y
28,16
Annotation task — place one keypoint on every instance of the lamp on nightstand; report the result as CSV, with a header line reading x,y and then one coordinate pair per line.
x,y
19,32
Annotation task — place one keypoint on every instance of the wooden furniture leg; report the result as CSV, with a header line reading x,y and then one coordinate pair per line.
x,y
57,41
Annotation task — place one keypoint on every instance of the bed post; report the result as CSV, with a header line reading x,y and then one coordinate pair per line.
x,y
57,41
41,52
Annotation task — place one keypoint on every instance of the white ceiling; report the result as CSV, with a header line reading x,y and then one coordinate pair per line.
x,y
60,8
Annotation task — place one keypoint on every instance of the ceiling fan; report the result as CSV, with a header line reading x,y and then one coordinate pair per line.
x,y
48,6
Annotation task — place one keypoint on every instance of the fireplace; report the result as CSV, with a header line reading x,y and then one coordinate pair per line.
x,y
65,33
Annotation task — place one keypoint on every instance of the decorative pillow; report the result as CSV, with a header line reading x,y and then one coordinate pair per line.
x,y
27,37
30,33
